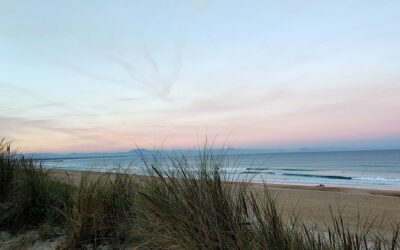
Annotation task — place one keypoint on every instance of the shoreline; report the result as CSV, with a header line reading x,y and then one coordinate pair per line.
x,y
315,204
371,189
309,186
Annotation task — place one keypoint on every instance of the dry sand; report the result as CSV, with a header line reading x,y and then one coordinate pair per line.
x,y
313,203
29,240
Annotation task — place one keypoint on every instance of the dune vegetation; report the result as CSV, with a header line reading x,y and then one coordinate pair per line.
x,y
182,206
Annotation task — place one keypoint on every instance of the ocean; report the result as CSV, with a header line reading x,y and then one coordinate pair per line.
x,y
378,169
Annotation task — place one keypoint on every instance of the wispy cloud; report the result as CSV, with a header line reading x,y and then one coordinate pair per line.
x,y
164,83
157,83
37,100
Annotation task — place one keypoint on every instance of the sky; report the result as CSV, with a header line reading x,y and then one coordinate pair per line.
x,y
113,75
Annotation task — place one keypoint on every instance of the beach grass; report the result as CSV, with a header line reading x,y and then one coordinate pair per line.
x,y
177,204
189,207
7,161
103,210
32,197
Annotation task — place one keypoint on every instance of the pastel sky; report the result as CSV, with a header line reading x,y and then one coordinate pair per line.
x,y
109,75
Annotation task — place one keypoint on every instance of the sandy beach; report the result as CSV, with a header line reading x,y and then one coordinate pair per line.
x,y
313,204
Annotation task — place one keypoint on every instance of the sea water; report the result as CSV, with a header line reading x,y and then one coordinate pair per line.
x,y
362,169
